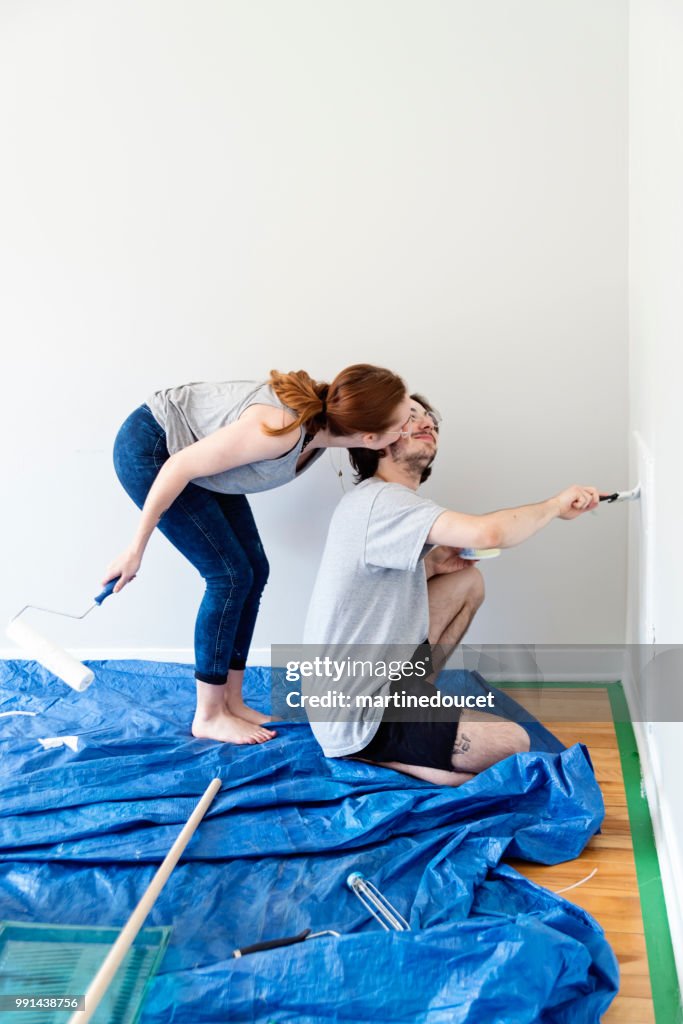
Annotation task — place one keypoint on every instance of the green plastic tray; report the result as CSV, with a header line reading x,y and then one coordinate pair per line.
x,y
46,960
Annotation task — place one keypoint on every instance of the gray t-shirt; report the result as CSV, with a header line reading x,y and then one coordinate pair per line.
x,y
193,411
371,589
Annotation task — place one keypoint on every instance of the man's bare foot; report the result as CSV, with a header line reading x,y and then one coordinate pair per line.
x,y
234,705
228,728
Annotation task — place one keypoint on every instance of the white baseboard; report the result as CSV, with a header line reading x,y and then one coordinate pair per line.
x,y
543,663
554,663
519,664
183,655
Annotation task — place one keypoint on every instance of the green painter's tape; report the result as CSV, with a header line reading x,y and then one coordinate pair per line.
x,y
665,988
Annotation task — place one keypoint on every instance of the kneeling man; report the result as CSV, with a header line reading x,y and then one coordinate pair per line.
x,y
380,584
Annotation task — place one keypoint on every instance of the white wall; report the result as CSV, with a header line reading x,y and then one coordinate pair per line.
x,y
656,359
201,191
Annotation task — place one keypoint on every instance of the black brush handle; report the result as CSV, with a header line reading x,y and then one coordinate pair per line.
x,y
609,497
259,947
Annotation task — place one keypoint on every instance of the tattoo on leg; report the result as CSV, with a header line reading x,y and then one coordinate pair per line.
x,y
462,744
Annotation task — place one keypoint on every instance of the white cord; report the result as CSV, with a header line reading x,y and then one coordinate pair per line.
x,y
558,892
338,472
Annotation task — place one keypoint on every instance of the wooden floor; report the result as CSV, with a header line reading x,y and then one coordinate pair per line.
x,y
611,896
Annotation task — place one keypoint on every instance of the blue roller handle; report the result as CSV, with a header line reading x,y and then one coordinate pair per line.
x,y
107,590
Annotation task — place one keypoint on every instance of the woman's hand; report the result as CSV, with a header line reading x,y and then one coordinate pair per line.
x,y
126,566
443,559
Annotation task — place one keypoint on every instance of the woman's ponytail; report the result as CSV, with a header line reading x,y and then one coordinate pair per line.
x,y
361,399
306,397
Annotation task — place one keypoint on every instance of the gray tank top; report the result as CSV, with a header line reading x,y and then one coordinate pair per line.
x,y
192,411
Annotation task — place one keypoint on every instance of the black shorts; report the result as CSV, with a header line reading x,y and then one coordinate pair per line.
x,y
429,744
422,735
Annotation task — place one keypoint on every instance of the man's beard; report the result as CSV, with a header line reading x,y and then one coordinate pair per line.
x,y
414,462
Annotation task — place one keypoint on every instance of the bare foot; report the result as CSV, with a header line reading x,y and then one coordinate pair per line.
x,y
228,728
236,706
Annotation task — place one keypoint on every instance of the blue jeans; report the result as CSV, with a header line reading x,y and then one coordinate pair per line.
x,y
216,533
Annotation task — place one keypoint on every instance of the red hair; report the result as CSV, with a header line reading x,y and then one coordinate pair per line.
x,y
360,399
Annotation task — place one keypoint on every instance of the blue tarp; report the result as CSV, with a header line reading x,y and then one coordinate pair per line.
x,y
82,832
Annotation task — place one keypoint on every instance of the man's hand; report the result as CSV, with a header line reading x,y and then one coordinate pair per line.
x,y
574,501
444,559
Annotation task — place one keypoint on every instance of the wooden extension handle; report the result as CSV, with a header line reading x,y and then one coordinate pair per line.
x,y
103,978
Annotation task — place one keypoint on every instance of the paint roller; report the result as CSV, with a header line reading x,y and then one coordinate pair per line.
x,y
55,659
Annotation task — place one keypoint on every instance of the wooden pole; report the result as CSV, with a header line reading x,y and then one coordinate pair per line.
x,y
103,978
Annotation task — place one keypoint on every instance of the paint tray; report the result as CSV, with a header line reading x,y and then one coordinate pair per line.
x,y
46,960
